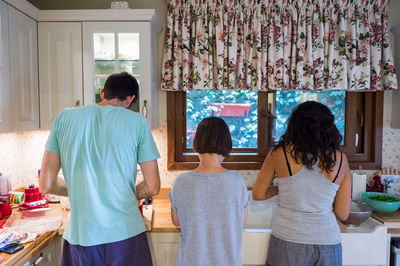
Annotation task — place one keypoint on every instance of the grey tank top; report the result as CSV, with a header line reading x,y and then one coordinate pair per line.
x,y
305,212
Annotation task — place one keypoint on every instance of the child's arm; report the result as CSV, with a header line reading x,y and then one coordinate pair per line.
x,y
174,217
245,217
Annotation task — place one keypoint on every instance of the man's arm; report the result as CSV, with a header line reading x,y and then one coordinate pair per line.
x,y
151,183
49,182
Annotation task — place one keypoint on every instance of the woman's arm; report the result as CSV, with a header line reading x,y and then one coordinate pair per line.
x,y
341,205
262,188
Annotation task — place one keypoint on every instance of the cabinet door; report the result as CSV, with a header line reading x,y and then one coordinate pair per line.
x,y
24,71
110,47
60,72
50,255
164,248
5,97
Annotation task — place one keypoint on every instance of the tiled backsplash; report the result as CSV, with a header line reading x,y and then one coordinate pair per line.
x,y
21,154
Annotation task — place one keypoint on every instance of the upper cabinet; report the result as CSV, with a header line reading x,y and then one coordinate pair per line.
x,y
23,71
5,96
110,47
60,74
65,59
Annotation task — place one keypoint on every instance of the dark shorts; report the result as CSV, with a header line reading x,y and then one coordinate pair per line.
x,y
131,251
284,253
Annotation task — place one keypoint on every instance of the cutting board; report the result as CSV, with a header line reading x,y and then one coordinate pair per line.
x,y
391,220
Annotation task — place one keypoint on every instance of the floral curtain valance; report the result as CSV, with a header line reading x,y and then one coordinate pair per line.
x,y
278,45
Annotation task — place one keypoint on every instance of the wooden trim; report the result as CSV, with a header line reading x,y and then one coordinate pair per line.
x,y
370,104
231,166
171,130
263,139
371,156
377,134
182,158
350,117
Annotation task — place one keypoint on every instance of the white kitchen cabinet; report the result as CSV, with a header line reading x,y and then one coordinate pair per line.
x,y
5,92
23,71
164,248
71,69
110,47
60,74
49,256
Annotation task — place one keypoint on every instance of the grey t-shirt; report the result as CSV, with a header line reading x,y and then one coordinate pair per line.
x,y
210,208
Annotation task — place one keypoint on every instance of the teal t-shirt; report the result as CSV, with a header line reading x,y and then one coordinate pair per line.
x,y
99,148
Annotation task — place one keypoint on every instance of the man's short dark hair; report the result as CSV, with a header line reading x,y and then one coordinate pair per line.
x,y
121,85
213,136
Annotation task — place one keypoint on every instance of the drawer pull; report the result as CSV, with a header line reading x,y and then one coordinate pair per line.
x,y
38,260
77,103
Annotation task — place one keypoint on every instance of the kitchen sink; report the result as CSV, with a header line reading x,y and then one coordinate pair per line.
x,y
260,214
366,244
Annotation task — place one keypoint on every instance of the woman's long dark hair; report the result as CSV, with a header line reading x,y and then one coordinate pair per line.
x,y
311,135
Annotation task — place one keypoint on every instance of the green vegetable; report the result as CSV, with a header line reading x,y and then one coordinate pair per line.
x,y
384,198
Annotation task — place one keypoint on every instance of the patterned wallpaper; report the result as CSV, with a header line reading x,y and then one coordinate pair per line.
x,y
21,154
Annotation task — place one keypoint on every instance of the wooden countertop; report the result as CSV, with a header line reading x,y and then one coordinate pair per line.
x,y
31,249
162,213
391,220
162,221
158,213
157,218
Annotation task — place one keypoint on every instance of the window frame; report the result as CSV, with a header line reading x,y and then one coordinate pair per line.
x,y
364,109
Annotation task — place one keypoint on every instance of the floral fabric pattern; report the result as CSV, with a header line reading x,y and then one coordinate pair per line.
x,y
278,45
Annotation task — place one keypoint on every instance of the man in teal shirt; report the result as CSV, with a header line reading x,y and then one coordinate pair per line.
x,y
98,147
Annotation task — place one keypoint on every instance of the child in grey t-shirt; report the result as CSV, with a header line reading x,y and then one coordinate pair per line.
x,y
209,203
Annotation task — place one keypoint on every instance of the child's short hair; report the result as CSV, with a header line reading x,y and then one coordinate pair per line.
x,y
213,136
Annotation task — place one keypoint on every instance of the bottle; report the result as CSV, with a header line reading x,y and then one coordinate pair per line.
x,y
5,187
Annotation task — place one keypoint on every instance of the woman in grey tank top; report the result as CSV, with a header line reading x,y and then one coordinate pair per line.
x,y
314,185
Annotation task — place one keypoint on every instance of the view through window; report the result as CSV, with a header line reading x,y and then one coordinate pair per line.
x,y
237,107
239,110
285,101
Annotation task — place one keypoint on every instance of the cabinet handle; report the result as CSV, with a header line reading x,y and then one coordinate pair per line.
x,y
356,139
144,109
77,103
38,260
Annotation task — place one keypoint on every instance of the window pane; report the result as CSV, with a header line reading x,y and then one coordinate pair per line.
x,y
104,53
104,46
104,67
130,66
237,107
285,101
129,53
128,46
99,85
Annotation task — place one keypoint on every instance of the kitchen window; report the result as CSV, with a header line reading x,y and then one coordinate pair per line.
x,y
258,119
